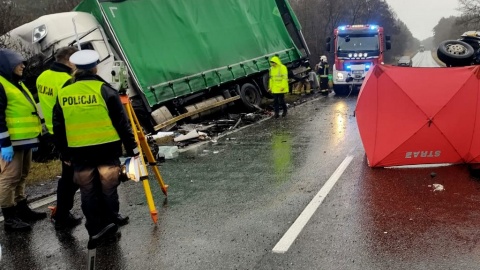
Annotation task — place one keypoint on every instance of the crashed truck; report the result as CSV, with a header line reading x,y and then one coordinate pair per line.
x,y
178,59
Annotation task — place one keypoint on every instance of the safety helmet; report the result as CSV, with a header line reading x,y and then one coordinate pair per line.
x,y
323,58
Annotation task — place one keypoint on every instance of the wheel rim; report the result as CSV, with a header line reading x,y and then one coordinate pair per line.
x,y
456,49
251,95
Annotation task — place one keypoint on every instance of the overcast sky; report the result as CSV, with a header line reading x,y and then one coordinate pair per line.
x,y
421,16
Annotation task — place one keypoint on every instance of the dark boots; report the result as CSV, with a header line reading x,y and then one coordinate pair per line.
x,y
26,214
12,222
121,220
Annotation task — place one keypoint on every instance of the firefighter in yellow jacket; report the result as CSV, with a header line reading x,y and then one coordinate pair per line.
x,y
19,131
90,126
278,85
49,83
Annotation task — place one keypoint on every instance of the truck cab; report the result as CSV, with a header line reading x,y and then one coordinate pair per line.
x,y
356,48
48,33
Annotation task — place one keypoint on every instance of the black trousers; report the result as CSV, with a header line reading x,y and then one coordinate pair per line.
x,y
279,101
66,189
98,186
323,83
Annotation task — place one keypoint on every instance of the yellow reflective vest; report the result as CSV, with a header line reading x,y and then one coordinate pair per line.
x,y
86,116
278,82
48,85
21,114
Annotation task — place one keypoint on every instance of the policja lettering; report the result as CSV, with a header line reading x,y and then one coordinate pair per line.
x,y
79,100
46,91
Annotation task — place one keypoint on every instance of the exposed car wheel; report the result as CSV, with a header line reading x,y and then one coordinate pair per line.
x,y
455,53
250,96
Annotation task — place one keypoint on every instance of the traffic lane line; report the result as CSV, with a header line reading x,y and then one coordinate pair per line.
x,y
40,203
292,233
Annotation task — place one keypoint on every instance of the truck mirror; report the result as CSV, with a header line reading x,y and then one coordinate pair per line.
x,y
387,38
327,46
388,45
328,40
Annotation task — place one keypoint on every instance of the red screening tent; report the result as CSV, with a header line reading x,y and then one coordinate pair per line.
x,y
411,116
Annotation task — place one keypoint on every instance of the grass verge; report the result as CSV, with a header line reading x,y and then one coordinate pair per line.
x,y
44,172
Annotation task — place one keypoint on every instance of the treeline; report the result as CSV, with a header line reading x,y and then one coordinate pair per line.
x,y
320,17
453,27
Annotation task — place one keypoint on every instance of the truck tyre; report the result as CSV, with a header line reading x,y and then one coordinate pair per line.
x,y
341,90
250,96
455,53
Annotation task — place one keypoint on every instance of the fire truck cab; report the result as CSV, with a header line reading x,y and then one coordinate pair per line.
x,y
356,48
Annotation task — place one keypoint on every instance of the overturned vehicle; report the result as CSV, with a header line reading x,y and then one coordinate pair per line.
x,y
464,51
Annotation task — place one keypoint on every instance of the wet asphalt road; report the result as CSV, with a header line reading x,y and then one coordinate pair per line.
x,y
424,59
231,202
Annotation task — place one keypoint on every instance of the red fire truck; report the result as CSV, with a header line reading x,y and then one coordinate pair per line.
x,y
357,48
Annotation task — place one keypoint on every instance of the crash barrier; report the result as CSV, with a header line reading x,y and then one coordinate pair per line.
x,y
409,116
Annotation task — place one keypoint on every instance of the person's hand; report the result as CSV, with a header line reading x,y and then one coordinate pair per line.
x,y
7,153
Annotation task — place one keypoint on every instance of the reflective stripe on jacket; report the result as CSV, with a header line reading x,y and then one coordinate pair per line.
x,y
48,85
325,69
87,121
21,114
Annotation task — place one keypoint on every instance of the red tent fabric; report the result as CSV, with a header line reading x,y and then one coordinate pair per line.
x,y
411,116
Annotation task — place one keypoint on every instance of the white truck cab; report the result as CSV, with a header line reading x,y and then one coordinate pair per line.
x,y
48,33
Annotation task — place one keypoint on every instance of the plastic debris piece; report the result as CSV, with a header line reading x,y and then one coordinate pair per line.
x,y
438,187
190,135
169,152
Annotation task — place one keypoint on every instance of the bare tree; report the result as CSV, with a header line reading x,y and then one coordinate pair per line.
x,y
470,13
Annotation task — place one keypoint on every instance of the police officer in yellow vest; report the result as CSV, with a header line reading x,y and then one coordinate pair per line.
x,y
49,84
278,85
90,125
19,131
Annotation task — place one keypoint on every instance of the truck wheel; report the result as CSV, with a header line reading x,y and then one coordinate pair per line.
x,y
341,90
250,96
455,53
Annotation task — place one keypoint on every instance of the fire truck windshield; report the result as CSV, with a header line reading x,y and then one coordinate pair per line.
x,y
357,43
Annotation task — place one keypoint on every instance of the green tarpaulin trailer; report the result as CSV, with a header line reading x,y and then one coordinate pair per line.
x,y
175,49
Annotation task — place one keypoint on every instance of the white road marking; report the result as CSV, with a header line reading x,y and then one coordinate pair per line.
x,y
419,166
286,241
41,202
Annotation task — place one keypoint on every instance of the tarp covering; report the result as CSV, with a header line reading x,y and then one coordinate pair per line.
x,y
411,116
177,47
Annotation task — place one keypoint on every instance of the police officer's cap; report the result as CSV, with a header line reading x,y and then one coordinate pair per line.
x,y
85,59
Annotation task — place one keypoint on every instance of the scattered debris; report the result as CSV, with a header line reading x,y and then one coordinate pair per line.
x,y
438,187
169,152
190,135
